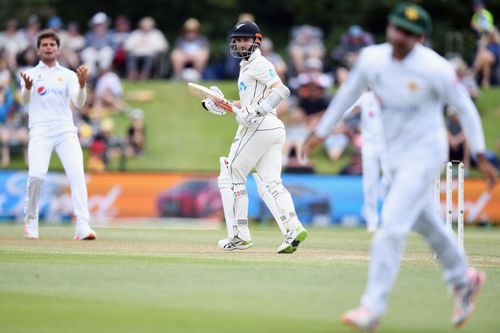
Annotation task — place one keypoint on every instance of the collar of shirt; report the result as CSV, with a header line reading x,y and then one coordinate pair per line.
x,y
42,65
254,55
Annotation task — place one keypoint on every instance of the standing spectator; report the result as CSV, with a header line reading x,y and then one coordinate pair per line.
x,y
144,46
13,42
191,50
307,42
98,52
482,20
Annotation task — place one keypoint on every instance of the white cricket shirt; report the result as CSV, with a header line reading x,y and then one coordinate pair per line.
x,y
411,93
257,75
53,89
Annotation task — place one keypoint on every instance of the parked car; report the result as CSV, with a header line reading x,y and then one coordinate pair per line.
x,y
311,206
194,198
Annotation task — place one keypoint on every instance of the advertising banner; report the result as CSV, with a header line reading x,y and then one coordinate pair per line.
x,y
319,199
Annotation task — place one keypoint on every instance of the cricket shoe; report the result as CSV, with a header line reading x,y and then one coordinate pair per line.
x,y
292,239
465,298
362,319
31,228
235,243
84,232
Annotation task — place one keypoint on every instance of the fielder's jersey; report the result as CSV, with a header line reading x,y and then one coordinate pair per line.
x,y
53,88
411,93
371,119
257,75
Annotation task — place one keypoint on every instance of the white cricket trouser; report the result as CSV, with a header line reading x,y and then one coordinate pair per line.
x,y
409,205
259,148
372,165
66,144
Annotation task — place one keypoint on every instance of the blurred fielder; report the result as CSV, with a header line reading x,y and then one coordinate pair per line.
x,y
412,83
258,143
372,148
47,89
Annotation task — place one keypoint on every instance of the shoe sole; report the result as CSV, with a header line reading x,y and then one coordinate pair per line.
x,y
301,236
482,281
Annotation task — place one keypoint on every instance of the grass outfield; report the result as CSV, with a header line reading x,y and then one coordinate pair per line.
x,y
175,280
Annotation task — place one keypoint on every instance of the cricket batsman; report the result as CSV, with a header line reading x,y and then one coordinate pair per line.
x,y
412,83
47,90
258,143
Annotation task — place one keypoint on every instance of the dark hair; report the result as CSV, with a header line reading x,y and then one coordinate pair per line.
x,y
48,33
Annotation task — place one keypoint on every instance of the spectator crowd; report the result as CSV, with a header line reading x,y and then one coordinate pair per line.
x,y
115,49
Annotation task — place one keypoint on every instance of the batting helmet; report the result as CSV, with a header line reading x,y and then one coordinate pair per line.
x,y
244,29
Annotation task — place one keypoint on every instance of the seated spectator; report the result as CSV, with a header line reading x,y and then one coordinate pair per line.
x,y
351,44
465,76
108,94
313,73
32,29
486,61
312,98
482,20
307,42
191,52
13,130
73,44
144,46
98,52
113,144
97,156
136,134
12,41
336,143
120,34
266,47
296,133
355,166
458,150
4,71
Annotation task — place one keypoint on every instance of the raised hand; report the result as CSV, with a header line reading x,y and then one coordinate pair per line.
x,y
82,74
28,82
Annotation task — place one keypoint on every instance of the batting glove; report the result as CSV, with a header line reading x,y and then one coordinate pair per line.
x,y
212,107
249,117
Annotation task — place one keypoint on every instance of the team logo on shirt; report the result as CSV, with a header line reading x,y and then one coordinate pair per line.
x,y
242,86
272,73
41,91
412,86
